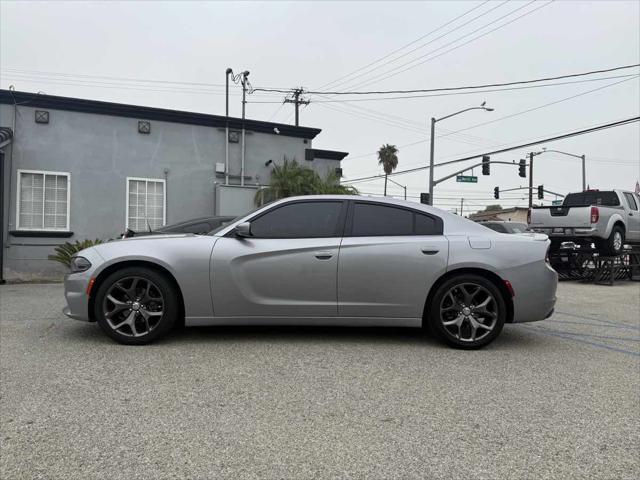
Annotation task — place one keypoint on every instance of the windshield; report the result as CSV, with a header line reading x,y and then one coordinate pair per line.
x,y
607,199
227,222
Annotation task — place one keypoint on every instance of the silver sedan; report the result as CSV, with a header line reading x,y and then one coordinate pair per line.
x,y
319,260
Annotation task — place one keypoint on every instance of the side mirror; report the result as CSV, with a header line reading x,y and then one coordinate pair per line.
x,y
243,229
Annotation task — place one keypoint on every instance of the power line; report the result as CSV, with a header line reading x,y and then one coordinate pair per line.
x,y
472,92
392,74
444,89
516,147
348,80
468,87
555,102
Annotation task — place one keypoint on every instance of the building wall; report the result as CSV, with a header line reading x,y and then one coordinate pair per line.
x,y
507,215
101,151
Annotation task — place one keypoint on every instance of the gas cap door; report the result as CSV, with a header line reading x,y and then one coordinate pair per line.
x,y
479,243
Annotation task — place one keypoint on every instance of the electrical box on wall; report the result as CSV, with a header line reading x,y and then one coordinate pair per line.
x,y
219,167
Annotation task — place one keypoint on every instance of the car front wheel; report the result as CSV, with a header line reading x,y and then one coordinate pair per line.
x,y
136,305
467,311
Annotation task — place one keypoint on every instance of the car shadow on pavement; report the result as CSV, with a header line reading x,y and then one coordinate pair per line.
x,y
512,337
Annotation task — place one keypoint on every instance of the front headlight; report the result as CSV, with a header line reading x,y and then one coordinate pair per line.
x,y
79,264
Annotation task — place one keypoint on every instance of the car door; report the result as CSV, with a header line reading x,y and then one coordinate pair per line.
x,y
286,268
633,217
390,257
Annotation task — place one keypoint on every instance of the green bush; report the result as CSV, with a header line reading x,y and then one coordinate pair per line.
x,y
291,179
67,250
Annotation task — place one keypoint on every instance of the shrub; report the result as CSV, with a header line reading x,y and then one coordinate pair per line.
x,y
67,250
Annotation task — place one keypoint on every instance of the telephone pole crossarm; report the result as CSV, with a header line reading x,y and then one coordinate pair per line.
x,y
297,101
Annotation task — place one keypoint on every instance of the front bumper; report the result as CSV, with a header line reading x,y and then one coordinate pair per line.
x,y
75,288
75,292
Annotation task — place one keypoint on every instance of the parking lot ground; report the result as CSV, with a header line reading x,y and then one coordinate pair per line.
x,y
553,399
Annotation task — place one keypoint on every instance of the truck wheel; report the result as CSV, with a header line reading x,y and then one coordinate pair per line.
x,y
615,243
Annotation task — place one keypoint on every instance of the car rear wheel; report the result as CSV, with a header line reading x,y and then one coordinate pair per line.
x,y
136,305
467,311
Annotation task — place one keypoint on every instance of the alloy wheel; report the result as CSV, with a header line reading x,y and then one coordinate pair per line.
x,y
468,312
617,241
133,306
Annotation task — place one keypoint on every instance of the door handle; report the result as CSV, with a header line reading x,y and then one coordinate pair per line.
x,y
324,255
429,250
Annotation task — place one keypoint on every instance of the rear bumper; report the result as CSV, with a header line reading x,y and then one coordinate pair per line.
x,y
535,292
568,233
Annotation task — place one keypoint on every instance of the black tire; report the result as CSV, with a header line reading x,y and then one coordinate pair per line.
x,y
497,306
159,300
614,245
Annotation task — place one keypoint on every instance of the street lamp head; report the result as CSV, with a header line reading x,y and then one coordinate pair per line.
x,y
488,109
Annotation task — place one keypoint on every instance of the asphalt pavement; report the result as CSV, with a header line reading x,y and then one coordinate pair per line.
x,y
553,399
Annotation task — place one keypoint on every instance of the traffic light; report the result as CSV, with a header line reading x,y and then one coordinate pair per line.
x,y
496,193
485,165
540,192
522,169
424,198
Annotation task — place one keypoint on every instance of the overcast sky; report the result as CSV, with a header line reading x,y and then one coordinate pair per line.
x,y
102,48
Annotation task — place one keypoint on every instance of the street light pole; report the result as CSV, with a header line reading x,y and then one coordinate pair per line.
x,y
243,80
581,157
226,137
431,160
432,147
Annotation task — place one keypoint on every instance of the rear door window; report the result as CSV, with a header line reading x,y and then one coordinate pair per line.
x,y
375,220
631,201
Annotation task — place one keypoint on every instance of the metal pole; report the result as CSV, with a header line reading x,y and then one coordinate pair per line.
x,y
244,102
296,95
405,193
584,174
530,179
461,206
431,149
226,138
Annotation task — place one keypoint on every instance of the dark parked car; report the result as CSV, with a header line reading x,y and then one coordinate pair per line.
x,y
506,227
200,226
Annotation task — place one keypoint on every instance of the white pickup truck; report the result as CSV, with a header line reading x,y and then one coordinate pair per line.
x,y
609,219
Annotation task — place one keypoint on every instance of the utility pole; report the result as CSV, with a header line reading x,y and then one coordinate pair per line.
x,y
461,207
297,92
530,179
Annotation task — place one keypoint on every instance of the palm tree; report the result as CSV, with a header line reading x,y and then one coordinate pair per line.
x,y
388,158
290,179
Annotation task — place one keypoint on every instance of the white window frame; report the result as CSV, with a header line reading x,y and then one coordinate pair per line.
x,y
43,172
164,198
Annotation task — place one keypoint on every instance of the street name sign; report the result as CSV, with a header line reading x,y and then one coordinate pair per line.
x,y
467,179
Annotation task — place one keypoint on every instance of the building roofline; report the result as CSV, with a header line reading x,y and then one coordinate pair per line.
x,y
151,113
313,153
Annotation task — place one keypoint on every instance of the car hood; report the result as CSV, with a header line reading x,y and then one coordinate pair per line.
x,y
146,238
